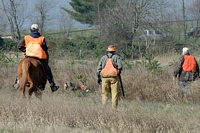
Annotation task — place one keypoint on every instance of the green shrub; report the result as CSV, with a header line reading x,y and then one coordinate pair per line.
x,y
148,62
8,45
79,46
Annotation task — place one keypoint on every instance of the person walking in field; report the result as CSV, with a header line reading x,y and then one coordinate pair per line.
x,y
108,71
34,45
187,70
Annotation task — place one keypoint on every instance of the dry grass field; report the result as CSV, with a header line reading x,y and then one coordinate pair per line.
x,y
151,104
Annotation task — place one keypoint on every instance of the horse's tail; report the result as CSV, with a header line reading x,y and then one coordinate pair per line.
x,y
25,72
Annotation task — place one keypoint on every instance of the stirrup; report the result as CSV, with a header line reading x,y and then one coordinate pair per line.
x,y
16,85
54,88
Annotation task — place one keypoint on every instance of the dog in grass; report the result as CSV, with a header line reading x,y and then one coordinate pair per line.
x,y
74,87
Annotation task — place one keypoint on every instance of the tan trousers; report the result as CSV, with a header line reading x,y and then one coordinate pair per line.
x,y
110,85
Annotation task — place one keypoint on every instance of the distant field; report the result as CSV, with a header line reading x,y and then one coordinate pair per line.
x,y
73,32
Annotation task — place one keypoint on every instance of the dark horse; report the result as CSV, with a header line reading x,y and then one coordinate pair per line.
x,y
30,75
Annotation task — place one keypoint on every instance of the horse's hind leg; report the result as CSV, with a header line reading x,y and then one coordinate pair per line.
x,y
22,91
38,94
31,90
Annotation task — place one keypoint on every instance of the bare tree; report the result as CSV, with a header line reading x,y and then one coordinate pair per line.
x,y
122,22
194,10
14,12
184,18
65,21
42,14
3,24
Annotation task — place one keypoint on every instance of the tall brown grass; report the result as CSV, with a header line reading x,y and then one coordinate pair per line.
x,y
151,103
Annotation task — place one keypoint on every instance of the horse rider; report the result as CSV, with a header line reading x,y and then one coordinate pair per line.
x,y
34,45
187,70
108,71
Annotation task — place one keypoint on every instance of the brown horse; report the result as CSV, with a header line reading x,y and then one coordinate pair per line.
x,y
30,75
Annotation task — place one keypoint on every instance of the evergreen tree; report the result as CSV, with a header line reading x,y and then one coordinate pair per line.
x,y
88,11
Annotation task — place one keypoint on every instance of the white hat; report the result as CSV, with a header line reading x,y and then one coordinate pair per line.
x,y
185,50
34,27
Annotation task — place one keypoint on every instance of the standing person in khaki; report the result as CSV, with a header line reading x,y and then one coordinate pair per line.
x,y
187,70
108,71
34,45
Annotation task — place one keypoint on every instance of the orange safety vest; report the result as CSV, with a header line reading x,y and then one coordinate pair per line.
x,y
189,64
34,47
109,70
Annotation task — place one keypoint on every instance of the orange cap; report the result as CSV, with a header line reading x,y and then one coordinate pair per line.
x,y
111,48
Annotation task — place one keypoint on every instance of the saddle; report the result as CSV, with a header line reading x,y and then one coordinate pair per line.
x,y
43,68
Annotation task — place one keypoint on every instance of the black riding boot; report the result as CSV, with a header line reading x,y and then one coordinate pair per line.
x,y
49,75
53,85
